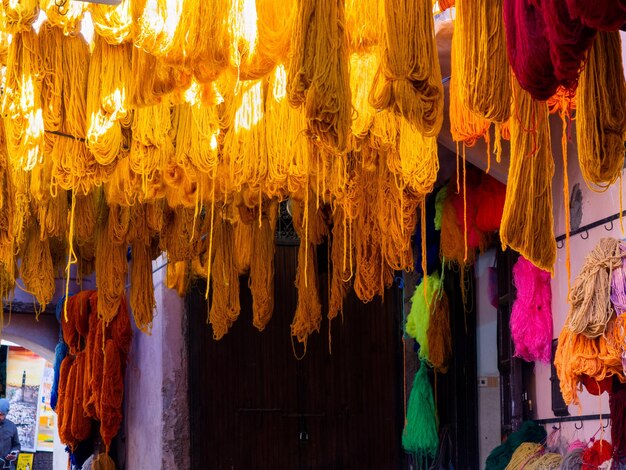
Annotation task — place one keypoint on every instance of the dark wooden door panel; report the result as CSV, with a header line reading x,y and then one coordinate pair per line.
x,y
254,405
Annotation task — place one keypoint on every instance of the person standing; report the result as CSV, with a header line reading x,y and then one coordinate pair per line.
x,y
9,440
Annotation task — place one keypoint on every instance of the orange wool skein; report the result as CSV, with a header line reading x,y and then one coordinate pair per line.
x,y
112,393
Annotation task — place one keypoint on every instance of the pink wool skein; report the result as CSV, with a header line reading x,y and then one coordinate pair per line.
x,y
531,318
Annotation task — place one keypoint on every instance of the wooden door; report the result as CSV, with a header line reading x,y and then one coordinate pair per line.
x,y
255,406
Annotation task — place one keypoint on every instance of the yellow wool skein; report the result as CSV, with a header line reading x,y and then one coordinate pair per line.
x,y
113,23
155,23
419,159
261,31
287,149
67,17
200,43
224,306
397,216
527,221
152,145
526,454
363,67
111,265
364,23
20,15
153,79
245,149
21,105
601,113
482,66
318,76
408,81
7,210
108,102
262,265
37,270
196,138
465,125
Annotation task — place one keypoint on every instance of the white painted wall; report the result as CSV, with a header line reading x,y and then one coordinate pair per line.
x,y
487,360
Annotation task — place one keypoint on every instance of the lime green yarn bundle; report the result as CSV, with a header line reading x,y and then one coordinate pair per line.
x,y
421,307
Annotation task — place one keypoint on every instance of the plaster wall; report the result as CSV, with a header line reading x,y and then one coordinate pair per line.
x,y
156,406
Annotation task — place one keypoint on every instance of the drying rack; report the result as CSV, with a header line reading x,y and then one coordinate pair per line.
x,y
574,419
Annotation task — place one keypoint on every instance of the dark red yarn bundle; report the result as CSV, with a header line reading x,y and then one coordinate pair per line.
x,y
528,48
606,15
569,41
547,40
617,404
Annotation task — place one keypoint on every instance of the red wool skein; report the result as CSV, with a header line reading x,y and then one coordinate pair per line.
x,y
606,15
596,455
569,41
528,48
490,197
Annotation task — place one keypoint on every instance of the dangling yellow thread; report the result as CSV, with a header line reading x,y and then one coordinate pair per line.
x,y
71,255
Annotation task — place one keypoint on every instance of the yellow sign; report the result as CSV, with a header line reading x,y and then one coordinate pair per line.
x,y
25,461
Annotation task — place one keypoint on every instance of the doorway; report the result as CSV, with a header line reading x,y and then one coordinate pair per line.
x,y
253,404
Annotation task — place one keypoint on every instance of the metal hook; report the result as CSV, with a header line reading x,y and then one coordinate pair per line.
x,y
582,235
581,425
608,229
608,423
560,244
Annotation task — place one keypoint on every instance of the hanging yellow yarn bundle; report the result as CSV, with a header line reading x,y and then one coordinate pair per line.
x,y
408,81
108,101
465,125
142,300
287,149
244,142
52,216
113,23
68,17
224,280
318,77
601,112
527,221
21,104
261,34
155,24
200,43
19,16
74,167
396,217
7,210
419,159
152,146
341,257
482,65
262,265
308,316
153,79
372,275
22,215
36,269
111,266
197,132
243,244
